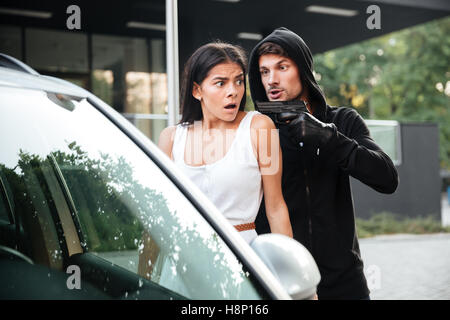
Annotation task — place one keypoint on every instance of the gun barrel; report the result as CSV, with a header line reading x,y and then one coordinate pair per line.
x,y
281,106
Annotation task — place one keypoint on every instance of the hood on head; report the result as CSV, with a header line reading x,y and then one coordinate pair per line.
x,y
298,51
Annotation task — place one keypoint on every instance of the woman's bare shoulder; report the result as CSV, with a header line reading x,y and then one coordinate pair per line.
x,y
168,131
261,121
166,138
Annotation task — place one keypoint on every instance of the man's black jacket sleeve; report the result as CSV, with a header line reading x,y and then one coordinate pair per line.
x,y
357,153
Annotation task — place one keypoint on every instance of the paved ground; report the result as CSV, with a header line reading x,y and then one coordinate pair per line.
x,y
403,266
400,267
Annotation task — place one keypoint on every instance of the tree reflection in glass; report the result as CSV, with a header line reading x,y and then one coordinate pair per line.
x,y
132,224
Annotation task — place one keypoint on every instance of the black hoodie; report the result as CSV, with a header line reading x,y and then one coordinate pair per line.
x,y
316,187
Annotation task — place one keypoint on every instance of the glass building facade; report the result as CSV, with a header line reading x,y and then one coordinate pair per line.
x,y
128,73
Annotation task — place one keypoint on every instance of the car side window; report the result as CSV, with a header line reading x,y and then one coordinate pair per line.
x,y
123,208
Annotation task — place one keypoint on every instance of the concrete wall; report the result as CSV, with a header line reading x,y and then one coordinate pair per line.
x,y
418,193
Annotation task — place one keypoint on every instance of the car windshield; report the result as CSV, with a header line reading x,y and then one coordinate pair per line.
x,y
124,208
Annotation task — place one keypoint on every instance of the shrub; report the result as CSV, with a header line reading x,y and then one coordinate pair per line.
x,y
388,223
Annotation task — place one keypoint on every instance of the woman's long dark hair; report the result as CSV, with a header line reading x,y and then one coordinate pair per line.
x,y
196,70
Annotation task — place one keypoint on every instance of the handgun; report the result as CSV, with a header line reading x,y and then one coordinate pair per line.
x,y
282,111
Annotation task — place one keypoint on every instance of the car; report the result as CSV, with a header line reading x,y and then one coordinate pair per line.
x,y
90,208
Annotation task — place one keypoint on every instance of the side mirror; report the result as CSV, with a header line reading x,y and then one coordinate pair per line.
x,y
290,262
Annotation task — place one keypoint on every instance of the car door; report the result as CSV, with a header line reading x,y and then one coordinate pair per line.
x,y
83,194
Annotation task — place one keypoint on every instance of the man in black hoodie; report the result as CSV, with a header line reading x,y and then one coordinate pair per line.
x,y
321,149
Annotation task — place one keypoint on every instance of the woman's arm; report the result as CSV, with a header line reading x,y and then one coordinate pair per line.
x,y
266,144
166,138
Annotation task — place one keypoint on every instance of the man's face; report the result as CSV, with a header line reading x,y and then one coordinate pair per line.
x,y
280,78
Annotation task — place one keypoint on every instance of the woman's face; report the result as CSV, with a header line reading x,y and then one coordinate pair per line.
x,y
221,92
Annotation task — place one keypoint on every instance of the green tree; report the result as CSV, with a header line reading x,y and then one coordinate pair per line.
x,y
402,76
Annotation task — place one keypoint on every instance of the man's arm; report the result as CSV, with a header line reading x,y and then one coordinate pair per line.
x,y
362,158
354,150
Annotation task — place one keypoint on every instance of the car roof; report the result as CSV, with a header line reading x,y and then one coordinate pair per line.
x,y
19,79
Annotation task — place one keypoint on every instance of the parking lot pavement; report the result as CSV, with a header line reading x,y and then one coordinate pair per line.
x,y
402,267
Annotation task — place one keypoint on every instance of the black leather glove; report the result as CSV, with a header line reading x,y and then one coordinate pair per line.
x,y
308,130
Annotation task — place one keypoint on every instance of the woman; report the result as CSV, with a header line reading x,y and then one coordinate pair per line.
x,y
222,148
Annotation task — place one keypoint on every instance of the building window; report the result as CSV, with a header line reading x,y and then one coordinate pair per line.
x,y
387,135
57,51
11,41
129,74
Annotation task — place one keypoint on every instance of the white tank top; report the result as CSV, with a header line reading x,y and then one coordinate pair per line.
x,y
232,183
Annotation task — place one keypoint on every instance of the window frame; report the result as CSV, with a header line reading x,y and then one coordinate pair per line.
x,y
7,201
